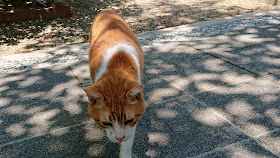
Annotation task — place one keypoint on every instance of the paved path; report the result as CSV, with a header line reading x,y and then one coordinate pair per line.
x,y
213,90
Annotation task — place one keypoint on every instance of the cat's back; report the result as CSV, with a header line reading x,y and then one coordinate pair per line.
x,y
108,24
108,30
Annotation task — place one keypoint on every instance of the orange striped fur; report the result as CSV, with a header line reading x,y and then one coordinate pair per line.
x,y
117,94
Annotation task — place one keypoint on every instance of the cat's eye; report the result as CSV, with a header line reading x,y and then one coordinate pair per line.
x,y
128,122
107,124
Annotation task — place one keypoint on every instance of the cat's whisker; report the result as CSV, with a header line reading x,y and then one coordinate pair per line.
x,y
105,142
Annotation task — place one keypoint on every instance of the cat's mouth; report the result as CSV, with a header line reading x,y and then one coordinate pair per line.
x,y
119,141
116,141
118,135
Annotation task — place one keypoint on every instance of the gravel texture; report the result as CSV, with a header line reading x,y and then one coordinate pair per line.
x,y
142,16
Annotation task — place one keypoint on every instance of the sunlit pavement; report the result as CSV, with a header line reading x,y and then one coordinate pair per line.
x,y
213,90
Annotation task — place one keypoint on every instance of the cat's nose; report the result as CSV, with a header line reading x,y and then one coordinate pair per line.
x,y
120,138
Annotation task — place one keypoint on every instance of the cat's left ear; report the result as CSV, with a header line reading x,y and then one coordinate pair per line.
x,y
136,92
94,95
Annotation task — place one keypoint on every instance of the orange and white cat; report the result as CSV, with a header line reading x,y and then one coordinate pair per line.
x,y
116,66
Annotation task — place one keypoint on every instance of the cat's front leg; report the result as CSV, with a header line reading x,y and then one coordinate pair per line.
x,y
126,146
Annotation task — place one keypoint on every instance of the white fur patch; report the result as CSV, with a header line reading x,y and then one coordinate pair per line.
x,y
116,131
129,49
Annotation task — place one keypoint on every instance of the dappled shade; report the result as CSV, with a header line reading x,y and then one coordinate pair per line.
x,y
215,96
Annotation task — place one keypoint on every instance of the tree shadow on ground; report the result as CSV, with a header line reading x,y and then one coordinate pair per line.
x,y
234,78
44,112
199,100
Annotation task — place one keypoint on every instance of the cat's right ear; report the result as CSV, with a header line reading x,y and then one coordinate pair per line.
x,y
93,95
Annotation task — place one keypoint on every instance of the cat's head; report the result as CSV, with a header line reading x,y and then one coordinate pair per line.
x,y
116,108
